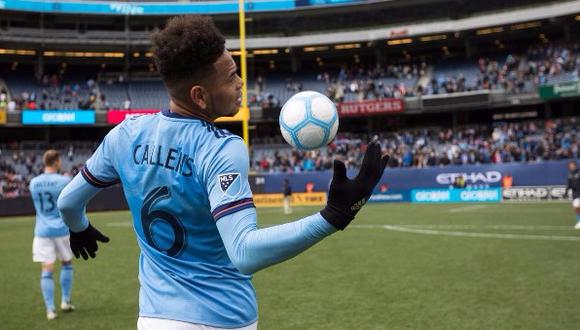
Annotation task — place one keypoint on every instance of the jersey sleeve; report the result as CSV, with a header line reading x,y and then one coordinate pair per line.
x,y
64,181
100,170
226,180
251,249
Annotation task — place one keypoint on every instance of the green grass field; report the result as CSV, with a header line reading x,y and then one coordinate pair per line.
x,y
403,266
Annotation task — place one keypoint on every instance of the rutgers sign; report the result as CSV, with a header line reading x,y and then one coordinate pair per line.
x,y
370,107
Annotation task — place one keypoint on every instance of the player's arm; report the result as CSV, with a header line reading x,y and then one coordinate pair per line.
x,y
72,206
72,202
251,249
98,173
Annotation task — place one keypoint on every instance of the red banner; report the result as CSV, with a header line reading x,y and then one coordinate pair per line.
x,y
117,116
370,107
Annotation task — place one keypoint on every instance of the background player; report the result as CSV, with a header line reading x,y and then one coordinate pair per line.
x,y
51,235
287,191
186,183
574,185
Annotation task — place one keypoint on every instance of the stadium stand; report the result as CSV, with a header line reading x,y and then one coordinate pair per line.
x,y
514,73
147,95
70,88
58,91
115,94
20,162
540,65
526,141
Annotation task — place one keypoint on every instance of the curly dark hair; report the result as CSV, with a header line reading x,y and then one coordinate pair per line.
x,y
186,47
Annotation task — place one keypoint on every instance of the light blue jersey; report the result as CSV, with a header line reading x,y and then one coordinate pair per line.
x,y
45,190
179,176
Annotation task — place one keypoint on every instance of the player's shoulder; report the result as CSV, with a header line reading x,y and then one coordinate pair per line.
x,y
229,145
136,122
36,179
232,145
216,139
226,151
140,118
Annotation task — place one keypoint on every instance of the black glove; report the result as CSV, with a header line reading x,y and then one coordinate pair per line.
x,y
346,197
84,243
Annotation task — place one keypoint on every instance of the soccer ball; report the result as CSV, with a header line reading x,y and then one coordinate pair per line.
x,y
308,120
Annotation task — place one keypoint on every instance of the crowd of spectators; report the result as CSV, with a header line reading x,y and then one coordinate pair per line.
x,y
14,183
531,141
19,165
512,72
266,100
52,93
547,62
369,82
517,73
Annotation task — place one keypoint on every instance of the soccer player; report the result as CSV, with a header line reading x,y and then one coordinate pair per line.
x,y
186,183
51,235
574,185
287,191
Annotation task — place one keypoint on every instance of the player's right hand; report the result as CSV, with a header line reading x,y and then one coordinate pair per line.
x,y
84,243
346,197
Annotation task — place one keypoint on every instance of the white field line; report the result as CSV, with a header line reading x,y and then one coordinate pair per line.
x,y
537,202
468,234
467,208
447,227
490,227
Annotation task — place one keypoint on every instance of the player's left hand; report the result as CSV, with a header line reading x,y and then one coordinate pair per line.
x,y
347,196
84,243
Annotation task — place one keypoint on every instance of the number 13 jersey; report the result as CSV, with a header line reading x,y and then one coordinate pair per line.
x,y
45,190
180,175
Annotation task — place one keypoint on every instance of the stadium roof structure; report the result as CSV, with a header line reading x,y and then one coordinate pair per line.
x,y
25,33
161,8
410,30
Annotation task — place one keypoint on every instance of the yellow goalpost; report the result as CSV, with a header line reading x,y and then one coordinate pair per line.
x,y
244,113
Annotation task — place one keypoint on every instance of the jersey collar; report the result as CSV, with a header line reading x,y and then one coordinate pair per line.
x,y
170,114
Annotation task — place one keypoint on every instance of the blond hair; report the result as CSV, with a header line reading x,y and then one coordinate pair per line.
x,y
50,157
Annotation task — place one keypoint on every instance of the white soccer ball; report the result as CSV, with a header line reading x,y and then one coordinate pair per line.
x,y
308,120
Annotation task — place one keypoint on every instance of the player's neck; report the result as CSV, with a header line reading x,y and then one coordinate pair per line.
x,y
50,170
187,112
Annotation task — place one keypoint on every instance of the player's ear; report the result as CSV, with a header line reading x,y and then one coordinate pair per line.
x,y
198,96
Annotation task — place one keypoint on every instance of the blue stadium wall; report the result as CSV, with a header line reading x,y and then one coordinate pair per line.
x,y
531,174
